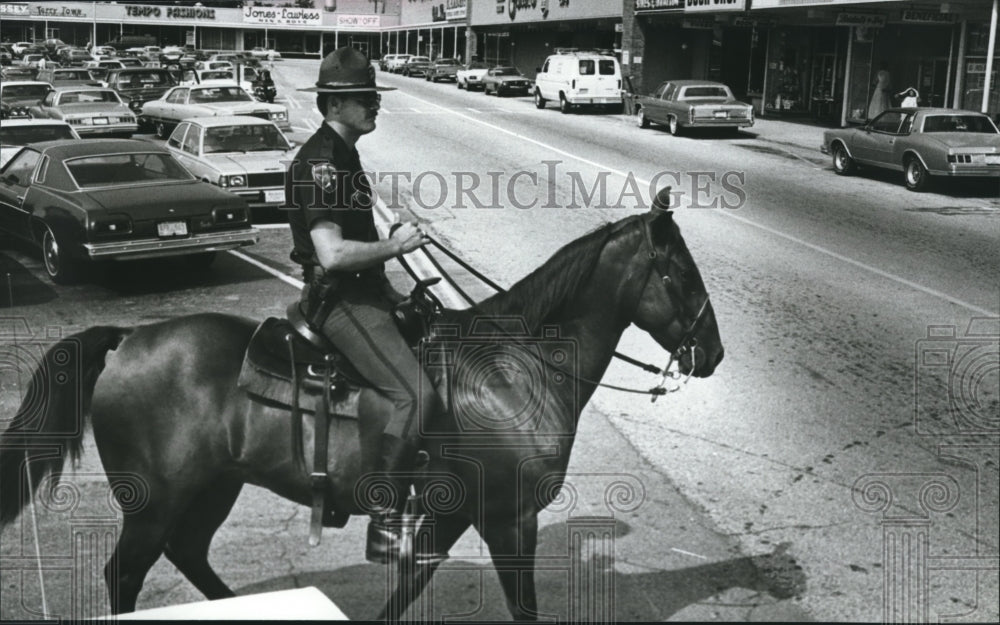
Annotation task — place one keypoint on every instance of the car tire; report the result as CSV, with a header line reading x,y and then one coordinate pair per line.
x,y
539,100
915,174
640,118
674,126
59,268
458,84
161,130
843,164
564,106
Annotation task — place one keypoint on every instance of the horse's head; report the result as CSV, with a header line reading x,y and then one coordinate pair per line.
x,y
673,305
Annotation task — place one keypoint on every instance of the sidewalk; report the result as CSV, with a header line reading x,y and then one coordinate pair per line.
x,y
788,132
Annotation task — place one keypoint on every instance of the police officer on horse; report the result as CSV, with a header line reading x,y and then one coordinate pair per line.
x,y
347,296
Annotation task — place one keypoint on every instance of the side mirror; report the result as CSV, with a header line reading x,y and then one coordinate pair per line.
x,y
11,179
538,70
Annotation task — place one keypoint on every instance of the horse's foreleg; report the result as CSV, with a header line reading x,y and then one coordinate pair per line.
x,y
447,531
189,540
512,549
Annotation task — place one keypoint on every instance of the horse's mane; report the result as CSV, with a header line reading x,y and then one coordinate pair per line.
x,y
540,294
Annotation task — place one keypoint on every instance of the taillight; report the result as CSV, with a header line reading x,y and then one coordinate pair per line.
x,y
574,83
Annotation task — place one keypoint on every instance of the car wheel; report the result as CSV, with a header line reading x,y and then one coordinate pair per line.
x,y
60,268
458,84
161,130
915,174
564,106
539,100
640,119
843,164
674,126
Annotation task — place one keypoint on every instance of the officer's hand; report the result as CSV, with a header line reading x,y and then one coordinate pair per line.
x,y
410,237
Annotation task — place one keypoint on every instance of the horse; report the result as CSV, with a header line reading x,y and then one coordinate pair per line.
x,y
165,407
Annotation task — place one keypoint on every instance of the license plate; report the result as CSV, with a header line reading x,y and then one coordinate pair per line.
x,y
721,114
172,228
993,159
101,120
277,195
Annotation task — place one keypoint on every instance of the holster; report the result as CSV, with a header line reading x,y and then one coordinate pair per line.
x,y
320,296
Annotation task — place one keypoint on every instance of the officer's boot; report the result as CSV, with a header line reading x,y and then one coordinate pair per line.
x,y
396,456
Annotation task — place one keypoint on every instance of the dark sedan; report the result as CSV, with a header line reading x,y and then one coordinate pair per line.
x,y
107,199
504,79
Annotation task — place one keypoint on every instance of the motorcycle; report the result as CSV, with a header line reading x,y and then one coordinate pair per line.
x,y
265,93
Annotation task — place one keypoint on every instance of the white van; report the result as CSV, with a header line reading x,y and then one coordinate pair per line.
x,y
574,78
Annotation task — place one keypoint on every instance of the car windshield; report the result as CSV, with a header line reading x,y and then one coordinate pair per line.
x,y
706,92
72,75
23,135
125,169
24,92
219,94
218,74
88,97
256,138
447,62
478,65
506,71
138,80
959,123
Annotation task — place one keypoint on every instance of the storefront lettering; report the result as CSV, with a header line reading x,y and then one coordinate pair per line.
x,y
174,13
715,5
513,6
932,17
283,15
358,21
17,10
867,20
649,5
450,10
51,11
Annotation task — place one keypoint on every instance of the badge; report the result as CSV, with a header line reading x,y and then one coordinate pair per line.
x,y
325,175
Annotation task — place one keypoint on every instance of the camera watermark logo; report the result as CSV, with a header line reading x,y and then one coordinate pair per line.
x,y
502,378
957,379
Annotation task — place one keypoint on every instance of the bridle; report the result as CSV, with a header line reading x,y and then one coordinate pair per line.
x,y
686,345
688,341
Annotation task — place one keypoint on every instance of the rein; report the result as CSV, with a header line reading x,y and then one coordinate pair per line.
x,y
687,344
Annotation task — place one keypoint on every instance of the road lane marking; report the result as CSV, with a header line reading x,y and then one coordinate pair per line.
x,y
688,553
284,277
812,246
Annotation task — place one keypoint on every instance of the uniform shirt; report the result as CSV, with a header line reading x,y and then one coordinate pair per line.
x,y
326,181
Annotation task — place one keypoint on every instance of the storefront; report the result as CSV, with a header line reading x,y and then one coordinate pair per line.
x,y
436,29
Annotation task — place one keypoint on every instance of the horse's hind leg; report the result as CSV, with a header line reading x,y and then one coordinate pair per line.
x,y
512,549
189,540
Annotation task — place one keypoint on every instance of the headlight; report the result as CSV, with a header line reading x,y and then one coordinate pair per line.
x,y
280,115
238,180
112,224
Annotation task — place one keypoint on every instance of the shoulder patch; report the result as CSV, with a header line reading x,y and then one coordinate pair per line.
x,y
325,175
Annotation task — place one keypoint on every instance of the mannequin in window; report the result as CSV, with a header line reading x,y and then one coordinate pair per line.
x,y
880,95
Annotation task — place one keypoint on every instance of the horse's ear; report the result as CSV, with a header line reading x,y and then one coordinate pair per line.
x,y
663,202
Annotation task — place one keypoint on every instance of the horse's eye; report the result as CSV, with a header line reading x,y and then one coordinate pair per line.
x,y
666,280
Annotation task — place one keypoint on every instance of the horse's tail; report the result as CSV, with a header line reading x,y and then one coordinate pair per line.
x,y
49,425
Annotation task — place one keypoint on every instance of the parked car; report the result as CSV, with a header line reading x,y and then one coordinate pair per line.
x,y
92,111
241,154
19,47
75,56
574,79
66,76
505,79
264,53
684,104
443,69
212,100
16,72
31,60
85,200
416,66
18,96
920,142
130,61
383,63
207,65
99,69
395,64
137,85
17,133
470,77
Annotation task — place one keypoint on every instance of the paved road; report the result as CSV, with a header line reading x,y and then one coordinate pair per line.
x,y
825,289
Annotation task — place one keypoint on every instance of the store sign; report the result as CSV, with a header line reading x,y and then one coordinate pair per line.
x,y
742,21
358,21
774,4
455,10
866,20
511,7
704,23
172,13
14,10
927,17
659,5
282,16
693,6
50,10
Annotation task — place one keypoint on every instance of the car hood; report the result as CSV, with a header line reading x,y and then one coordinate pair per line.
x,y
247,161
964,139
11,101
158,201
93,107
511,78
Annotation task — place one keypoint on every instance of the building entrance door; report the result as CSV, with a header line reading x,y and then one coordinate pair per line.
x,y
932,79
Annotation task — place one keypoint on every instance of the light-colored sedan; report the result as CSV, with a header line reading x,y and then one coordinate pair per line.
x,y
243,155
212,100
17,133
92,111
265,53
920,142
471,76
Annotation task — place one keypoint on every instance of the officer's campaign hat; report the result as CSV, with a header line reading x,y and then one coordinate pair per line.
x,y
346,70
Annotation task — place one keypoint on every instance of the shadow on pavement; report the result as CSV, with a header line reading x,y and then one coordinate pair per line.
x,y
23,288
466,588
